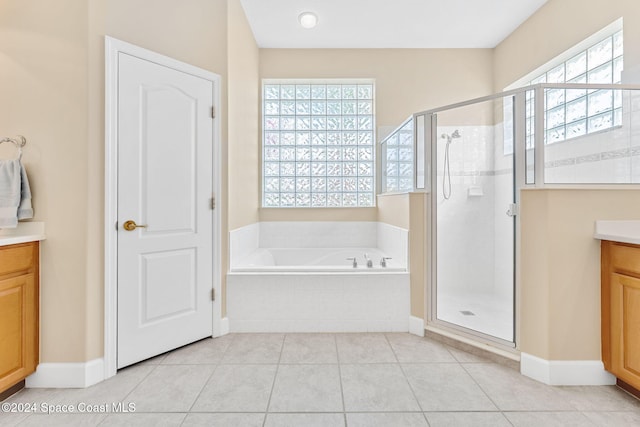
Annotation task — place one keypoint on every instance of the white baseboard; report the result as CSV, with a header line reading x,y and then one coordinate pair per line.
x,y
565,372
67,375
416,326
224,326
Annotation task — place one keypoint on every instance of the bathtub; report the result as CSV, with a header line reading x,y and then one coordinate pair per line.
x,y
316,260
294,277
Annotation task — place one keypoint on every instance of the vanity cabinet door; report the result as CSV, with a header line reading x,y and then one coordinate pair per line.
x,y
625,328
19,312
18,329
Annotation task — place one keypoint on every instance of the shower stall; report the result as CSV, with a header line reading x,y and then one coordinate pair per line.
x,y
473,216
474,157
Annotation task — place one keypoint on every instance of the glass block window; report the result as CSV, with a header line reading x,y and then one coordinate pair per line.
x,y
318,144
397,159
570,113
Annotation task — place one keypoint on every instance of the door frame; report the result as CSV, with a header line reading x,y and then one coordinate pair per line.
x,y
113,48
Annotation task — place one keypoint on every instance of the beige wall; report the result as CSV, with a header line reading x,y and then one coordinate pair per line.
x,y
560,281
407,81
51,71
559,25
244,103
560,276
393,209
44,93
417,251
409,211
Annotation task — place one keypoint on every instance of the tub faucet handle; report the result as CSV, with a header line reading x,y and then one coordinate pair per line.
x,y
355,262
369,262
383,261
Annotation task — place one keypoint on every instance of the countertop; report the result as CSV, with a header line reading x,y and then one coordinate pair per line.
x,y
24,232
618,231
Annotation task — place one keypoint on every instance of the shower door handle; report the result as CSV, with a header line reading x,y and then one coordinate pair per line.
x,y
512,210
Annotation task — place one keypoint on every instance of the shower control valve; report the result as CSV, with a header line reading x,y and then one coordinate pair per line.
x,y
383,261
355,262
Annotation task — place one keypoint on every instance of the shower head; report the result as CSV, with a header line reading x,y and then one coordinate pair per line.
x,y
455,134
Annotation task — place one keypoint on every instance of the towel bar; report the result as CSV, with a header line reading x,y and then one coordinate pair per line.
x,y
19,141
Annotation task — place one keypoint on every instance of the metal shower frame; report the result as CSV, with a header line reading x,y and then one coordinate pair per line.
x,y
425,180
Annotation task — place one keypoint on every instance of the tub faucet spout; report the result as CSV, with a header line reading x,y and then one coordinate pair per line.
x,y
355,262
369,262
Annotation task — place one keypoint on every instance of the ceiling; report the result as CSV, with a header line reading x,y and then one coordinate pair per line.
x,y
387,23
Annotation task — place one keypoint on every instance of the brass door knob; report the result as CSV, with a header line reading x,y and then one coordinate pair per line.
x,y
131,225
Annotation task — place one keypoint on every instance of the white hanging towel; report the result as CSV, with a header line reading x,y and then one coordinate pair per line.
x,y
15,194
25,210
10,190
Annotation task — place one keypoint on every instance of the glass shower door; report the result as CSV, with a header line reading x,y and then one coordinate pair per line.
x,y
473,201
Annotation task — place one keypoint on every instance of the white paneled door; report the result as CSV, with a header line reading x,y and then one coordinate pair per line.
x,y
165,232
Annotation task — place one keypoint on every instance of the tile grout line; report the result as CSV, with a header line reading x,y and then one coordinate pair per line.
x,y
446,347
185,418
389,338
231,339
140,382
485,392
154,367
102,421
275,376
204,385
344,408
404,374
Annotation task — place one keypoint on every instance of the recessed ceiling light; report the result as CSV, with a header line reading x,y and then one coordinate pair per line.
x,y
308,20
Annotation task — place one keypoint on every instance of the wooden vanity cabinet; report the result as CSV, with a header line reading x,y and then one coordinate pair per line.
x,y
621,311
19,310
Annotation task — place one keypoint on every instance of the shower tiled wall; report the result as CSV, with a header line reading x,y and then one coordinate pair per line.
x,y
466,220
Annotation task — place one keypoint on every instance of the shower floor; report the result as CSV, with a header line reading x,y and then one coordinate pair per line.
x,y
484,312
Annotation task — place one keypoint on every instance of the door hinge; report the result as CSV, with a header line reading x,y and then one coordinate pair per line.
x,y
116,225
213,112
213,294
512,210
213,203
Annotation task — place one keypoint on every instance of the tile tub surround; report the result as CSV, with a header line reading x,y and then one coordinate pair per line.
x,y
318,234
318,302
329,380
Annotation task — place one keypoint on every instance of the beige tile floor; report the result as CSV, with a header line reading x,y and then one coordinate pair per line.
x,y
328,380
